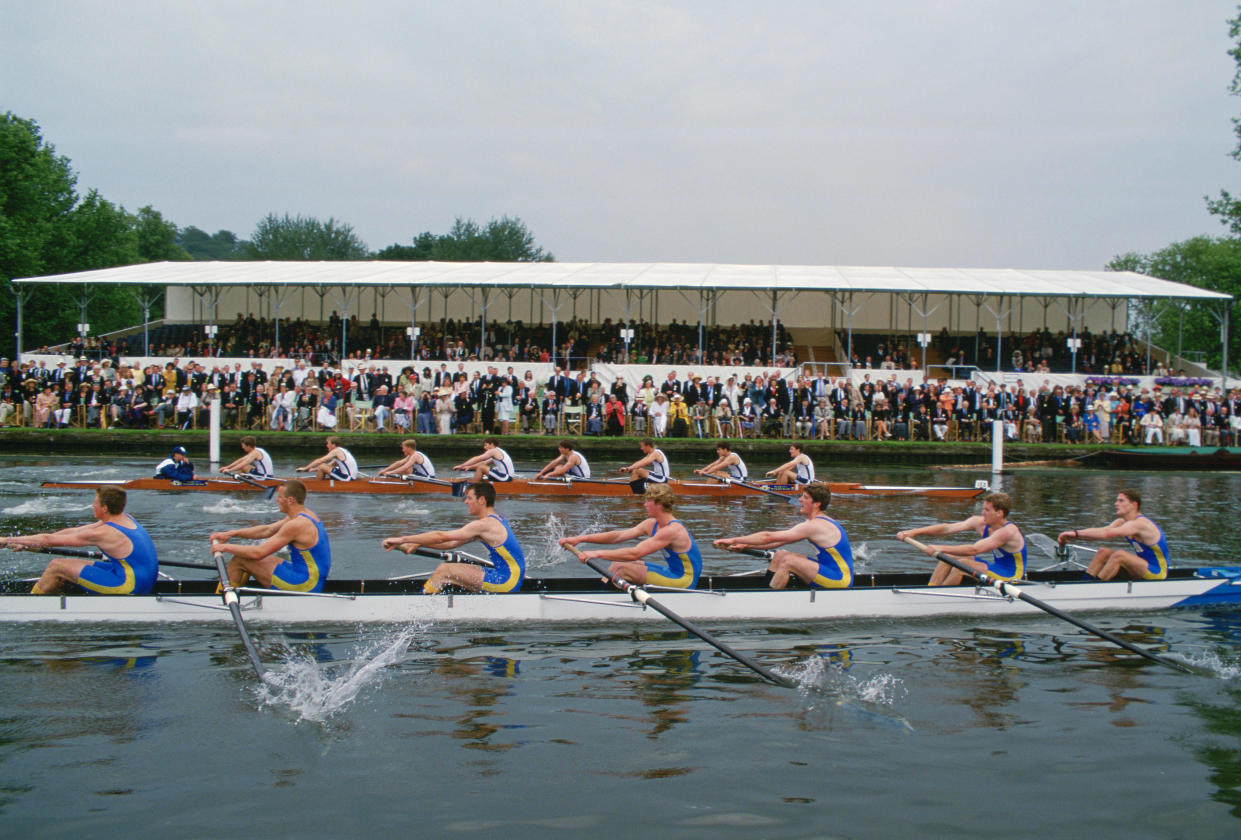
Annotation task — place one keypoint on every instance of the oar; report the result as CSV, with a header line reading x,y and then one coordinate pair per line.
x,y
229,594
1008,590
644,598
792,500
452,556
270,491
95,555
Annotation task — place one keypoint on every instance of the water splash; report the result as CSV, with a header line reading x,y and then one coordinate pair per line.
x,y
409,508
316,691
45,505
229,506
873,697
547,551
1211,661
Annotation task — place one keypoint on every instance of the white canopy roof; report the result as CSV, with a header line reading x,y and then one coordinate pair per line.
x,y
694,276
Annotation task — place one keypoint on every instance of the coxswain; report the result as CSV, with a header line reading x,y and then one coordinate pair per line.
x,y
310,553
486,526
176,467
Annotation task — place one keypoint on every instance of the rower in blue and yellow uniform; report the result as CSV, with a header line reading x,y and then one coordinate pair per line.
x,y
310,553
660,531
1149,558
129,565
1000,538
832,565
508,561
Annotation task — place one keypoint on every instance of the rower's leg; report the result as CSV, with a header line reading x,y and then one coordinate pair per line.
x,y
1097,567
59,573
633,571
464,575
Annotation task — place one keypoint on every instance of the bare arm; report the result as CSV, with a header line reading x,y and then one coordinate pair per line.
x,y
611,537
254,532
986,544
659,540
476,530
942,528
286,532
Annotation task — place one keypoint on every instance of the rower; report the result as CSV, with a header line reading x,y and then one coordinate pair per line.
x,y
660,531
568,464
652,466
338,463
727,466
1148,559
798,470
412,463
176,467
832,565
129,565
493,464
254,460
508,560
310,553
999,536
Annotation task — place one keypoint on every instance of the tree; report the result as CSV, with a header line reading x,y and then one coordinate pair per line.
x,y
157,237
46,229
1226,207
502,240
221,245
304,238
1207,263
36,196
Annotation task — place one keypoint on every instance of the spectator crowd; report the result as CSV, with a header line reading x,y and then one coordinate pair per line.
x,y
443,398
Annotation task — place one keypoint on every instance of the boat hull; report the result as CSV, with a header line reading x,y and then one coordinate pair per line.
x,y
517,487
579,600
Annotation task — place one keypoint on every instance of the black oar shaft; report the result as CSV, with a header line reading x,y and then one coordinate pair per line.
x,y
95,555
229,594
644,598
1013,591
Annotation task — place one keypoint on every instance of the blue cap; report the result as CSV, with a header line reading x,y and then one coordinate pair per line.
x,y
179,450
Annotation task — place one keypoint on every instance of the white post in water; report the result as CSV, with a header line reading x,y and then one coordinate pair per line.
x,y
213,445
997,446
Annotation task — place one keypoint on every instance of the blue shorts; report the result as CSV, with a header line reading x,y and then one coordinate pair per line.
x,y
112,578
499,578
657,574
831,576
296,577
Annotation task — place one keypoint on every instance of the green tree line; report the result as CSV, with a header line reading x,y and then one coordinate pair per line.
x,y
47,227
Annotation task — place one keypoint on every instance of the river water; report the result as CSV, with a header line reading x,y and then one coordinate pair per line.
x,y
937,728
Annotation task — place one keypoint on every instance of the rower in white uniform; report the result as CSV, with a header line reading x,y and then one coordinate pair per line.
x,y
568,464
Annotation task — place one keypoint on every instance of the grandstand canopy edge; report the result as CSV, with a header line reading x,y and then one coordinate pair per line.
x,y
864,298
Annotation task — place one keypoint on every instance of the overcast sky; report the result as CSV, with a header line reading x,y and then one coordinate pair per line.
x,y
974,134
